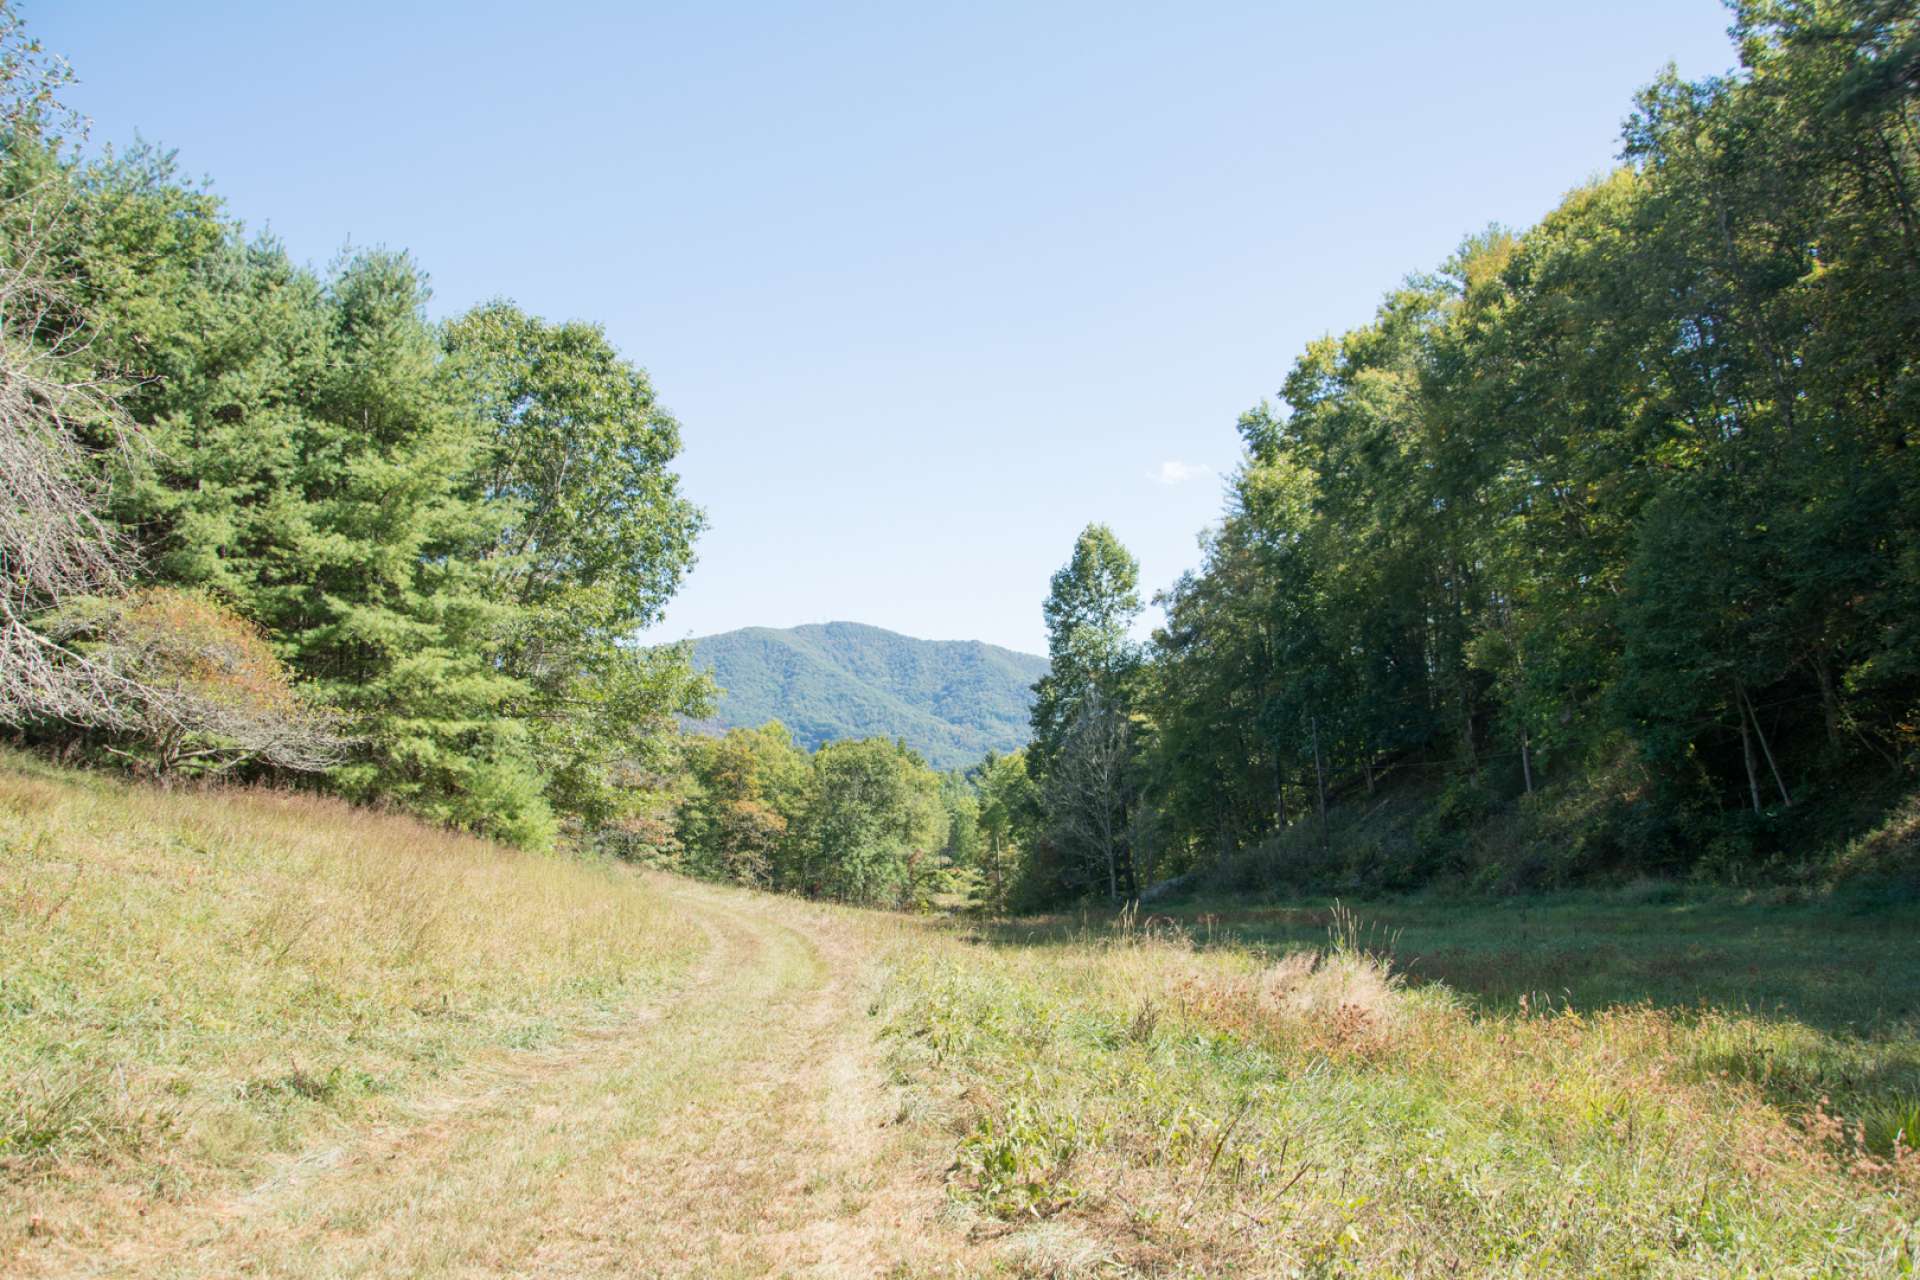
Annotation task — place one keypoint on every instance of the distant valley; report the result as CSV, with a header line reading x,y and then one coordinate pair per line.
x,y
951,700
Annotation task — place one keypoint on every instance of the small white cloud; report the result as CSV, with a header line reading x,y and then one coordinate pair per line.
x,y
1171,472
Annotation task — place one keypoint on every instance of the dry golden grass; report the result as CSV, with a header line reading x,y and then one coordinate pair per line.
x,y
192,984
272,1035
266,1034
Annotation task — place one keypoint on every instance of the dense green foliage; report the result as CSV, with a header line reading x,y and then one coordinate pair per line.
x,y
1604,531
1627,502
448,533
862,820
951,701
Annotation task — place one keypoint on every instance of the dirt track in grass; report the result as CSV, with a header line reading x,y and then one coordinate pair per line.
x,y
738,1127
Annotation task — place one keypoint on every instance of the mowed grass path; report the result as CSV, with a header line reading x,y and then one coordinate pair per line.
x,y
735,1131
259,1034
267,1035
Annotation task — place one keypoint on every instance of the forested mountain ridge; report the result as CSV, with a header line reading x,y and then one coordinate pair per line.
x,y
950,700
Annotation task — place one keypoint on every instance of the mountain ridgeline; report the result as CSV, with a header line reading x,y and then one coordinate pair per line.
x,y
950,700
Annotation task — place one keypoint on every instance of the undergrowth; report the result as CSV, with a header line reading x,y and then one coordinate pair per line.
x,y
1480,834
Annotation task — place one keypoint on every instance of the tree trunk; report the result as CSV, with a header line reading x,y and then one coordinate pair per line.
x,y
1526,761
1746,747
1785,798
1829,700
1113,858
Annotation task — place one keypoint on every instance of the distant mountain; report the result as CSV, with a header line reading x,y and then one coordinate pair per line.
x,y
951,700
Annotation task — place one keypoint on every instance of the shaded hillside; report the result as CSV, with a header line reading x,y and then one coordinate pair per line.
x,y
951,700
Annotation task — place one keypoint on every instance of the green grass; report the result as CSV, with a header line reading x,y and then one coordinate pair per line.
x,y
195,987
1626,1084
1840,964
192,983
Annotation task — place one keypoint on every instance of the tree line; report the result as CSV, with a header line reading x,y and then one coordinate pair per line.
x,y
1603,537
1623,506
1600,538
862,820
270,519
1616,514
267,522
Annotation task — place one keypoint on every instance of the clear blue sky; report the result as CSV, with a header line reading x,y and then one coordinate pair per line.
x,y
928,286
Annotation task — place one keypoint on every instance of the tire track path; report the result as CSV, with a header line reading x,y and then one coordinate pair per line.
x,y
737,1129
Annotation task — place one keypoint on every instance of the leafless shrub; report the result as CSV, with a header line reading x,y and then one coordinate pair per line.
x,y
194,682
53,544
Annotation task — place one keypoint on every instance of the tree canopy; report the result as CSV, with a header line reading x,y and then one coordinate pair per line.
x,y
449,534
1625,501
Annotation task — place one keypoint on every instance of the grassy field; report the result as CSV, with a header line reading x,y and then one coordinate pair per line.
x,y
191,985
1841,964
251,1033
1635,1084
258,1033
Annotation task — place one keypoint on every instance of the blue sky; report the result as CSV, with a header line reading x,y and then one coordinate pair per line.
x,y
929,286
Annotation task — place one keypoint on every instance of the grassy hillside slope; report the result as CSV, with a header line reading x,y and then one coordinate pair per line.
x,y
191,984
951,700
260,1034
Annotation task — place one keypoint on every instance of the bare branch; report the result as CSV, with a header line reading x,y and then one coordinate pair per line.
x,y
176,669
